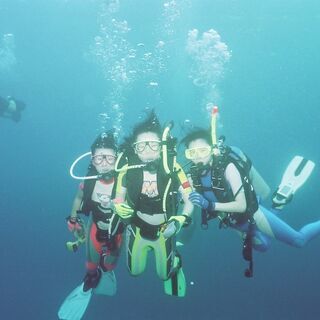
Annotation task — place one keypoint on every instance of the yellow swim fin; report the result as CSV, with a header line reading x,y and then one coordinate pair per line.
x,y
176,284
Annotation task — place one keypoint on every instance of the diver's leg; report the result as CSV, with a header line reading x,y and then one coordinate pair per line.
x,y
169,266
259,184
93,253
261,242
112,253
164,254
137,250
274,227
93,247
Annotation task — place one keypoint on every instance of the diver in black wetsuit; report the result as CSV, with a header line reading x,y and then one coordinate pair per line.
x,y
11,108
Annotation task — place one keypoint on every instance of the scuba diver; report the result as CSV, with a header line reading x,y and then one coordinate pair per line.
x,y
224,190
103,233
11,108
149,185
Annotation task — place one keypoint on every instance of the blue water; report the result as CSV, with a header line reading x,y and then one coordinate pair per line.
x,y
262,72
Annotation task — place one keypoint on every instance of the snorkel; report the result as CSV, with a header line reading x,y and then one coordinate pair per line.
x,y
215,145
172,168
164,140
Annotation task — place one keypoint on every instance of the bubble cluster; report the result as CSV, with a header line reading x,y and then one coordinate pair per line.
x,y
111,51
7,53
123,63
115,57
111,119
172,11
209,56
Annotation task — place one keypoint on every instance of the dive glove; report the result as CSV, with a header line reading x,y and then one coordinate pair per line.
x,y
200,201
123,210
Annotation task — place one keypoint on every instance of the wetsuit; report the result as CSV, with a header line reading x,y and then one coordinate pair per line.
x,y
146,194
265,224
104,230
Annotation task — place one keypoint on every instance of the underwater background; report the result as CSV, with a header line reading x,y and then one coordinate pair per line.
x,y
83,66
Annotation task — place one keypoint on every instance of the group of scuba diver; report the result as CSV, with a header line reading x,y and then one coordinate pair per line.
x,y
140,191
11,108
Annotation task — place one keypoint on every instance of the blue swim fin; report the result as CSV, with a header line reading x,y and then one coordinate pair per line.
x,y
296,174
75,305
107,285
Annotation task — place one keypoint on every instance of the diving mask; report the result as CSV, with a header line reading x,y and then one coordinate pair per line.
x,y
198,153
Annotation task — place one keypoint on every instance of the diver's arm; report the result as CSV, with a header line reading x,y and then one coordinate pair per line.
x,y
75,224
184,218
122,209
121,189
259,184
185,189
76,203
239,205
176,222
188,207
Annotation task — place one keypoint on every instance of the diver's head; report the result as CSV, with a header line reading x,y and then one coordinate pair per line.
x,y
146,139
198,146
104,152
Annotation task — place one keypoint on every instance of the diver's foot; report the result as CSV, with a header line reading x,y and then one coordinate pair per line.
x,y
91,279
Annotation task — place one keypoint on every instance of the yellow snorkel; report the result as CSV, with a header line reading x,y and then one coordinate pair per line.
x,y
175,167
214,115
167,170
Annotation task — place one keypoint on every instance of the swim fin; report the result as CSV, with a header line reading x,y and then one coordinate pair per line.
x,y
75,305
296,174
176,284
107,285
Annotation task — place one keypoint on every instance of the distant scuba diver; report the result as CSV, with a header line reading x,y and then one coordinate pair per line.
x,y
225,190
11,108
147,198
103,233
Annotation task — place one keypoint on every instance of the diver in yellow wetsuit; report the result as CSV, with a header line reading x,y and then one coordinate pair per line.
x,y
150,185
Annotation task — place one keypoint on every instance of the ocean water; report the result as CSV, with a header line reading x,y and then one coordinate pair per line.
x,y
83,66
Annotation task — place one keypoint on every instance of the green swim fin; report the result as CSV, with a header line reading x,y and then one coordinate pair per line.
x,y
107,285
75,305
296,174
176,284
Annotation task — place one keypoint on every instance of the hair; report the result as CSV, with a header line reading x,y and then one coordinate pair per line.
x,y
197,133
149,124
105,140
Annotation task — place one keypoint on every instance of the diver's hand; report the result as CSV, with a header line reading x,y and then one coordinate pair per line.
x,y
74,224
173,226
200,201
123,210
